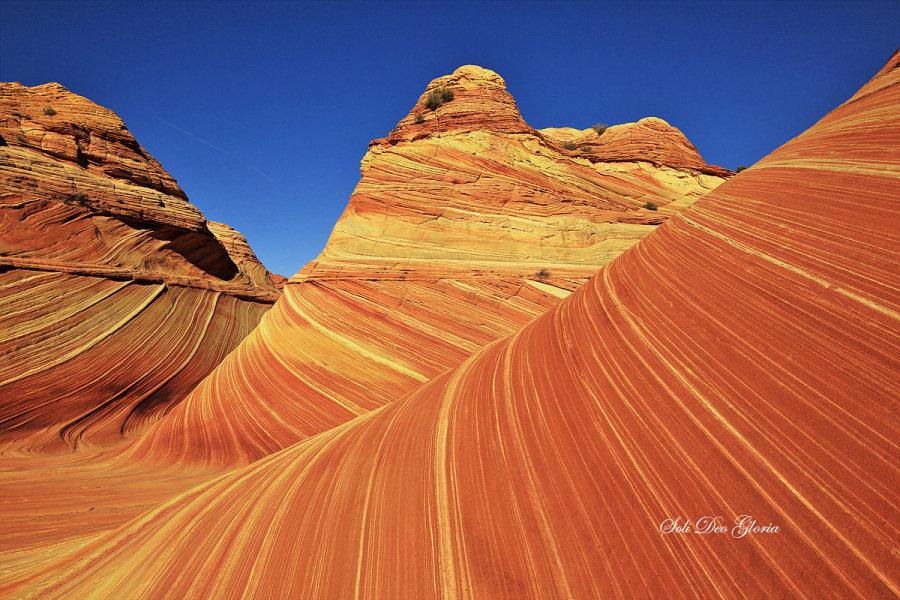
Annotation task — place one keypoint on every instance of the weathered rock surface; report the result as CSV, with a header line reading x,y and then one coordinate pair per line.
x,y
79,133
741,360
117,295
463,227
651,139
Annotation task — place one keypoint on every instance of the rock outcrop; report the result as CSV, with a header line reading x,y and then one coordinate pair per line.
x,y
465,225
741,360
117,295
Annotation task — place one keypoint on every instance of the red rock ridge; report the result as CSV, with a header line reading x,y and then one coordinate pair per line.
x,y
93,138
463,228
79,194
116,295
741,360
651,139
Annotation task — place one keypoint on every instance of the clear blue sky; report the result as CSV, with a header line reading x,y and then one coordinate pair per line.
x,y
286,96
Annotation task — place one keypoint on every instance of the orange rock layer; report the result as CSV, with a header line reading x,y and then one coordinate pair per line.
x,y
741,360
465,225
116,295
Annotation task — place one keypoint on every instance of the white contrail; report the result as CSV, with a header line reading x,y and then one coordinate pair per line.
x,y
213,146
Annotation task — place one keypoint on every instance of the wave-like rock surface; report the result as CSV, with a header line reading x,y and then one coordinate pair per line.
x,y
116,295
742,360
466,224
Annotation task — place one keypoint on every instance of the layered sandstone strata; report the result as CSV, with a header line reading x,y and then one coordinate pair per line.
x,y
117,295
741,360
466,224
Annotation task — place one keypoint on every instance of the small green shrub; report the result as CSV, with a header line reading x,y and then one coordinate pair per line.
x,y
543,274
49,111
19,115
740,168
650,205
570,146
419,119
600,128
80,199
437,97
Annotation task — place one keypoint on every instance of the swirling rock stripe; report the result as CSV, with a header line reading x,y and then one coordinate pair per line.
x,y
332,349
147,344
717,368
437,254
487,196
116,295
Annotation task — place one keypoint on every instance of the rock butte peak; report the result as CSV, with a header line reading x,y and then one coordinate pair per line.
x,y
650,139
464,177
654,122
469,76
478,100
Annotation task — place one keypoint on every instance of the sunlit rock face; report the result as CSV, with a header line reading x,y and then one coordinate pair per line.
x,y
117,295
465,225
740,360
473,182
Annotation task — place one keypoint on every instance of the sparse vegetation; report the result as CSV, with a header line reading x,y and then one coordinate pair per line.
x,y
600,128
419,119
49,111
543,274
650,205
19,115
80,199
437,97
570,146
740,168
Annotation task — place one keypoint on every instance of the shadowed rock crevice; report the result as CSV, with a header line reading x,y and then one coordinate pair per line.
x,y
200,249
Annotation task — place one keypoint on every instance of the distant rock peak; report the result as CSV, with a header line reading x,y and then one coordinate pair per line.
x,y
463,178
650,139
478,100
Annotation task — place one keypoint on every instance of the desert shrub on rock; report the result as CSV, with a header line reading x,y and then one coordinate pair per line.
x,y
437,97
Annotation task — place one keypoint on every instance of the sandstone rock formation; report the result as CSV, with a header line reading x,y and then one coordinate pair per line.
x,y
466,224
741,360
117,295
